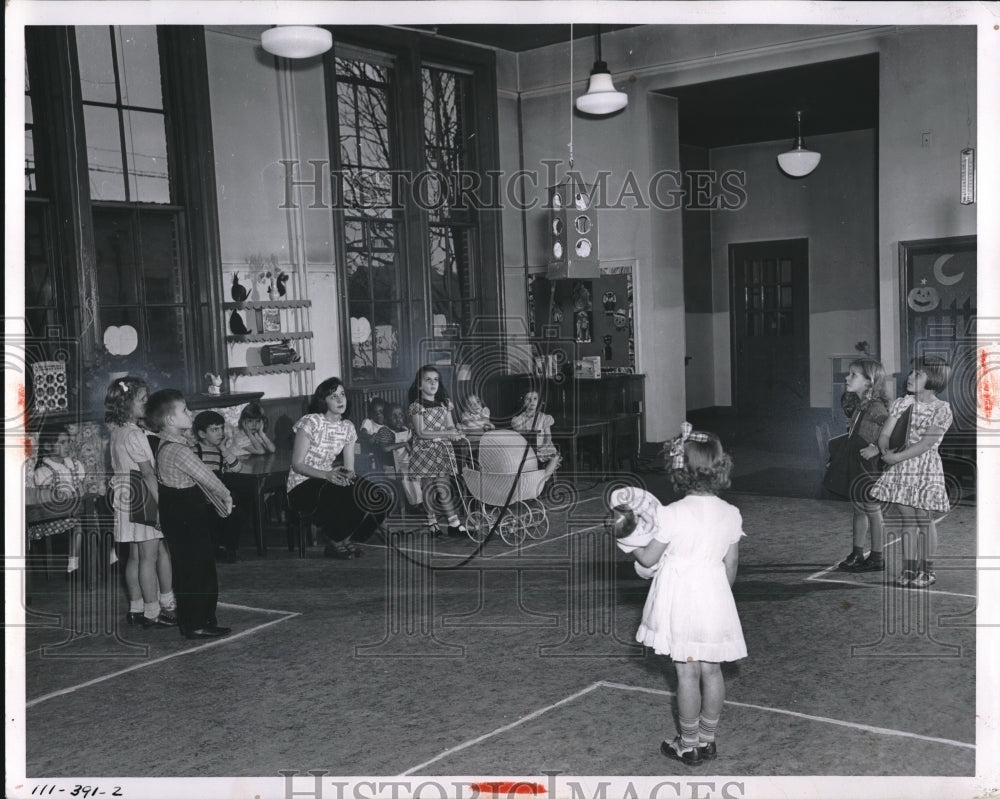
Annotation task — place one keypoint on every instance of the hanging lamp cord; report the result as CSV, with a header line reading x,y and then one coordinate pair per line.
x,y
571,95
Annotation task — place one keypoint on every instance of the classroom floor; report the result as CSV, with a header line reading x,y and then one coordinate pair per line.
x,y
429,657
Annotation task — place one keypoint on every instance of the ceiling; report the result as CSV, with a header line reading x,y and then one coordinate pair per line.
x,y
834,96
517,38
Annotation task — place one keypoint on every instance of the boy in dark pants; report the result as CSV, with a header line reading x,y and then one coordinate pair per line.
x,y
210,446
191,500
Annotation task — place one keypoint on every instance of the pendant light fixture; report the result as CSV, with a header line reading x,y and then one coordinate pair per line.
x,y
601,98
798,162
296,41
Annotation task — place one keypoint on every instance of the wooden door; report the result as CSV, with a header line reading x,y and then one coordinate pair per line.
x,y
769,307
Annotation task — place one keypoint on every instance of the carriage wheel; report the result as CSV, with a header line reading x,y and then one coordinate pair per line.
x,y
538,525
511,529
480,522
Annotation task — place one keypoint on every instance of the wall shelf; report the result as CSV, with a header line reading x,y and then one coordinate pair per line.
x,y
271,336
247,371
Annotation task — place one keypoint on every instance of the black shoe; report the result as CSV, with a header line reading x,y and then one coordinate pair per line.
x,y
207,632
707,750
852,560
457,531
868,565
159,621
134,618
354,549
675,750
169,616
338,551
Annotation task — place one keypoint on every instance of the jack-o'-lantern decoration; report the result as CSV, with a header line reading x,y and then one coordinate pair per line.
x,y
923,298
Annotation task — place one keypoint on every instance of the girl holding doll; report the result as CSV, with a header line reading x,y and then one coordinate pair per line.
x,y
690,615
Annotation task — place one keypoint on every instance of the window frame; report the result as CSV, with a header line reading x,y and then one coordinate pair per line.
x,y
62,174
410,53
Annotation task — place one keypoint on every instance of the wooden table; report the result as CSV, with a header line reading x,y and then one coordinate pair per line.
x,y
260,474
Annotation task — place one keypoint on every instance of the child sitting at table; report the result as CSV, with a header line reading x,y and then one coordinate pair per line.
x,y
209,432
370,427
251,435
191,498
476,416
63,475
394,439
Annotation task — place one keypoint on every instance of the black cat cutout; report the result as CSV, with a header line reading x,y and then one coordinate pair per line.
x,y
238,293
236,324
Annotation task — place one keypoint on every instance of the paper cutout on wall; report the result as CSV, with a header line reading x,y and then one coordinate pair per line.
x,y
361,330
923,298
120,340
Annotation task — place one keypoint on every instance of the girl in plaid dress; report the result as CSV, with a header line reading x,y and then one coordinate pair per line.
x,y
914,479
432,453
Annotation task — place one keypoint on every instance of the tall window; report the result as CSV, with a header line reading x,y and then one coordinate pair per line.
x,y
137,231
372,228
452,220
414,122
41,306
30,178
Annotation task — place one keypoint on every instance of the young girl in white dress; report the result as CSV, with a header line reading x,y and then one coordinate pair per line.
x,y
148,571
690,614
914,479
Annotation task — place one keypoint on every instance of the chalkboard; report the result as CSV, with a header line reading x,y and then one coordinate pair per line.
x,y
938,317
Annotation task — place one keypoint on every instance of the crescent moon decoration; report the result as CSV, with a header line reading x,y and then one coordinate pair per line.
x,y
940,276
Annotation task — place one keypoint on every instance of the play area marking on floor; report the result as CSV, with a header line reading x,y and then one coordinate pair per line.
x,y
531,716
822,719
821,577
661,692
285,616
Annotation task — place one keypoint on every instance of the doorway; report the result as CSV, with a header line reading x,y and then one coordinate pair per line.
x,y
769,320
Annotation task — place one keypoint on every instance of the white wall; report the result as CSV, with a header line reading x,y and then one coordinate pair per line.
x,y
263,114
834,208
927,82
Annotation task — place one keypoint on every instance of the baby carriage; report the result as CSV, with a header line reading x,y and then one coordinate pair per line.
x,y
500,453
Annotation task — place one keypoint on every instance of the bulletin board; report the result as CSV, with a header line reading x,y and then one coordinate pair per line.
x,y
938,286
596,314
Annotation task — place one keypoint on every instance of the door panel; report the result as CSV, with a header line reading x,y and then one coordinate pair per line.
x,y
769,317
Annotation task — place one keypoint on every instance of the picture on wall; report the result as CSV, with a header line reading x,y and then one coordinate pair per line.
x,y
597,315
938,316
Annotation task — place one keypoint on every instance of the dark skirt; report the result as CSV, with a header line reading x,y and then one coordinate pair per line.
x,y
353,511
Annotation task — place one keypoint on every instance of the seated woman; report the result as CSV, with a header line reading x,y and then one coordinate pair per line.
x,y
348,508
